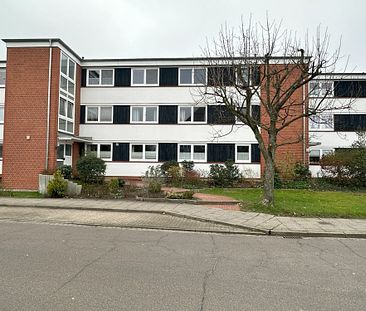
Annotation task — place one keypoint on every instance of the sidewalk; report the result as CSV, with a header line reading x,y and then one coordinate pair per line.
x,y
255,222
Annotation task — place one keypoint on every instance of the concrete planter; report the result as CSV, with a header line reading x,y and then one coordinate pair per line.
x,y
73,189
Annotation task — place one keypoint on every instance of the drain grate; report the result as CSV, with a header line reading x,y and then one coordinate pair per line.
x,y
292,237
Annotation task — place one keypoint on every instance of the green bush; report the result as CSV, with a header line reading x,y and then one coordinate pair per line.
x,y
174,176
188,166
224,175
301,171
114,185
66,171
91,169
167,165
153,179
57,186
345,167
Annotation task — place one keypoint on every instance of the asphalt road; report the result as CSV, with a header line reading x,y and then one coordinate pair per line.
x,y
67,267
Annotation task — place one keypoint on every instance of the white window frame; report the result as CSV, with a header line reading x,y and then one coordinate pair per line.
x,y
192,152
321,126
66,95
98,150
3,69
99,109
192,76
249,151
144,83
192,114
64,153
100,77
322,152
322,90
144,152
3,108
144,115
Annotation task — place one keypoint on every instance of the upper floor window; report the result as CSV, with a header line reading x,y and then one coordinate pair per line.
x,y
100,77
320,88
2,76
145,76
1,151
322,121
192,114
99,114
148,114
67,67
192,76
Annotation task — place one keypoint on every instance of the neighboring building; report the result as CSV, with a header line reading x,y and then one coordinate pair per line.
x,y
133,113
332,130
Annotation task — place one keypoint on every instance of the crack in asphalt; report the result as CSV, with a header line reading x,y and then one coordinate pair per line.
x,y
351,249
209,273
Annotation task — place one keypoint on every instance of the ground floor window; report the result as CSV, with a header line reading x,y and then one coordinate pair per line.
x,y
316,155
103,151
192,153
141,152
242,153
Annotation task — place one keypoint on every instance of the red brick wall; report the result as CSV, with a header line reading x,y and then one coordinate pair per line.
x,y
26,115
289,154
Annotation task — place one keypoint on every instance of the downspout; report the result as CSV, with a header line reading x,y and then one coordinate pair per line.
x,y
48,104
304,123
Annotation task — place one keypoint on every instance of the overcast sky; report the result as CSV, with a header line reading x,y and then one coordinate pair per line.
x,y
170,28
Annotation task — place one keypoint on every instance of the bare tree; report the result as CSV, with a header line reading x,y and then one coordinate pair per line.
x,y
262,64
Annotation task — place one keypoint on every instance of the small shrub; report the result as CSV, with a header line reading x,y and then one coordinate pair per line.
x,y
66,171
167,165
91,169
192,179
57,186
114,186
188,195
188,166
301,171
154,186
224,175
154,179
174,176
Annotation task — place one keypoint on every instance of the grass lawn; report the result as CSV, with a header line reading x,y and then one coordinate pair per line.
x,y
301,202
20,194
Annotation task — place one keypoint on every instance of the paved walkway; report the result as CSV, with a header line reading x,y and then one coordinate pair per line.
x,y
256,222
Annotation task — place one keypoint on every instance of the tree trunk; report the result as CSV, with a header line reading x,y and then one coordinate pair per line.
x,y
268,186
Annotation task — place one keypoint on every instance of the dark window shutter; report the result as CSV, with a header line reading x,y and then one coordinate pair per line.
x,y
256,112
349,88
221,76
168,152
122,77
82,114
255,153
121,114
168,114
219,115
220,152
168,76
349,122
83,77
256,78
121,152
81,149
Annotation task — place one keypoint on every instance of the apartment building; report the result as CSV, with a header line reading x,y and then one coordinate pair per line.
x,y
337,129
133,113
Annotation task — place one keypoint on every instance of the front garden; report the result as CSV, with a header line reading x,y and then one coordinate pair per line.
x,y
341,192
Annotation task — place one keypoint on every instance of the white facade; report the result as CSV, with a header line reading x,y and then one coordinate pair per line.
x,y
324,134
